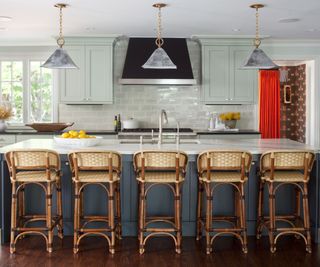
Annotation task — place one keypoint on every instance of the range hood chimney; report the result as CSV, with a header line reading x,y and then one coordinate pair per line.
x,y
140,49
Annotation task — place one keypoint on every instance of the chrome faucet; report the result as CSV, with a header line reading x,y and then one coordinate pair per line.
x,y
163,115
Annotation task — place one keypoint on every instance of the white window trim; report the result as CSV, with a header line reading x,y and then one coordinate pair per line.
x,y
26,58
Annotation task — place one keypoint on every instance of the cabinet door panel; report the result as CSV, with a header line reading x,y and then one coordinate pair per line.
x,y
242,82
73,80
216,74
99,74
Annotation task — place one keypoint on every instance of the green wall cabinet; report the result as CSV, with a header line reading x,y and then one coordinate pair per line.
x,y
92,83
223,80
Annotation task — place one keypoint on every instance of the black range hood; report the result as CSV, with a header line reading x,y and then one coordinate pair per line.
x,y
140,49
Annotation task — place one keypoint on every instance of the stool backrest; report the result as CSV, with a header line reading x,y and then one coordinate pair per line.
x,y
224,160
109,161
175,161
287,160
32,160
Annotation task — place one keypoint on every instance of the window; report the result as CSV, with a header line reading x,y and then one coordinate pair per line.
x,y
29,88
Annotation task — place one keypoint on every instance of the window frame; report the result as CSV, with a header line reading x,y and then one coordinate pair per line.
x,y
26,59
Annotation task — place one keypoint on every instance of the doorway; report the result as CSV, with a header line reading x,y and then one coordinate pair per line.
x,y
296,109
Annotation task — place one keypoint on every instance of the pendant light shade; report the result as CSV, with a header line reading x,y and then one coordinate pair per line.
x,y
60,58
159,59
258,59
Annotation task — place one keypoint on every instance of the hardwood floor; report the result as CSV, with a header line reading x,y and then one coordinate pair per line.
x,y
159,252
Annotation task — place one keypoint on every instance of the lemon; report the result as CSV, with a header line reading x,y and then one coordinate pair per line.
x,y
81,135
65,135
82,132
74,134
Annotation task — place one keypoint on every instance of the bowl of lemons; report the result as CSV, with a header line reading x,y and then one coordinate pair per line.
x,y
77,139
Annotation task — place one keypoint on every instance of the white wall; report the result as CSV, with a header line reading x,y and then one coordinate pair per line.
x,y
145,102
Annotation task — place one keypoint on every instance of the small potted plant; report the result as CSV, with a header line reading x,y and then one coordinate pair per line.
x,y
5,114
230,119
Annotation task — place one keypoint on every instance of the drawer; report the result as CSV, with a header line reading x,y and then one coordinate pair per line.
x,y
24,137
7,139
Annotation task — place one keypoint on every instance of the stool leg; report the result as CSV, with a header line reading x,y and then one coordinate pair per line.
x,y
76,217
111,218
118,211
21,202
142,215
272,217
13,217
49,216
208,218
200,190
243,223
59,209
260,210
178,216
306,217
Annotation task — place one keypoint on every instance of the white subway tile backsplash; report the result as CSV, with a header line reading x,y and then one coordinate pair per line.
x,y
144,102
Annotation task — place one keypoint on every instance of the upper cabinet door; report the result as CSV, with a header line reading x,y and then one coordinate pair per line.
x,y
243,83
72,81
215,74
99,78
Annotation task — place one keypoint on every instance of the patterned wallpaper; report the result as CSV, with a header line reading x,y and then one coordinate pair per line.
x,y
293,115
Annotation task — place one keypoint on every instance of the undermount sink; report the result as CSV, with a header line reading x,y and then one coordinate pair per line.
x,y
173,141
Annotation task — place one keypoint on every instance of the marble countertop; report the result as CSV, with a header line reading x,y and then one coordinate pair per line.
x,y
255,146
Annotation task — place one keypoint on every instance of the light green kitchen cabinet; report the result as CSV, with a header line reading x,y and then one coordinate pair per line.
x,y
99,80
243,83
216,74
223,80
92,83
72,86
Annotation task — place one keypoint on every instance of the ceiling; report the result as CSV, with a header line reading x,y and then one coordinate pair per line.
x,y
37,20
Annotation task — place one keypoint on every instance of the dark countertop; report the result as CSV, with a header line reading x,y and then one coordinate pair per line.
x,y
23,131
111,132
201,132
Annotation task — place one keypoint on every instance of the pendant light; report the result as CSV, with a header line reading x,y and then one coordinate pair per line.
x,y
159,58
60,58
258,59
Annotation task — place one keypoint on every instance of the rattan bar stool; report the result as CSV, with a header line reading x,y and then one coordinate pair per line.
x,y
279,168
216,168
160,168
41,168
101,168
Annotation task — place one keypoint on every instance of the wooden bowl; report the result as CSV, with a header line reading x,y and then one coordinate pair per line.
x,y
49,127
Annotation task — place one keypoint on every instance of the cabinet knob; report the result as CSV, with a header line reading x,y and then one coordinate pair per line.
x,y
67,163
227,99
230,99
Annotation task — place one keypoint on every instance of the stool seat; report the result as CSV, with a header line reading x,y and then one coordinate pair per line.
x,y
160,177
96,177
36,176
223,177
284,176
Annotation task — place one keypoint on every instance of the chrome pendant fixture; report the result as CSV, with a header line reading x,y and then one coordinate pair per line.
x,y
258,59
159,58
60,58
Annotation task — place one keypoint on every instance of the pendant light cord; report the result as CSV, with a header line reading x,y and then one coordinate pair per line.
x,y
257,40
159,40
60,40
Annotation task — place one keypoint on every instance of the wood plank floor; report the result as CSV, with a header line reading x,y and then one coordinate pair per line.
x,y
159,252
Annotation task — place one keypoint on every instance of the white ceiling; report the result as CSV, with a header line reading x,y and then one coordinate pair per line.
x,y
37,20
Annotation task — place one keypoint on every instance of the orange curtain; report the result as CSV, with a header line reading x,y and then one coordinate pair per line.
x,y
269,103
